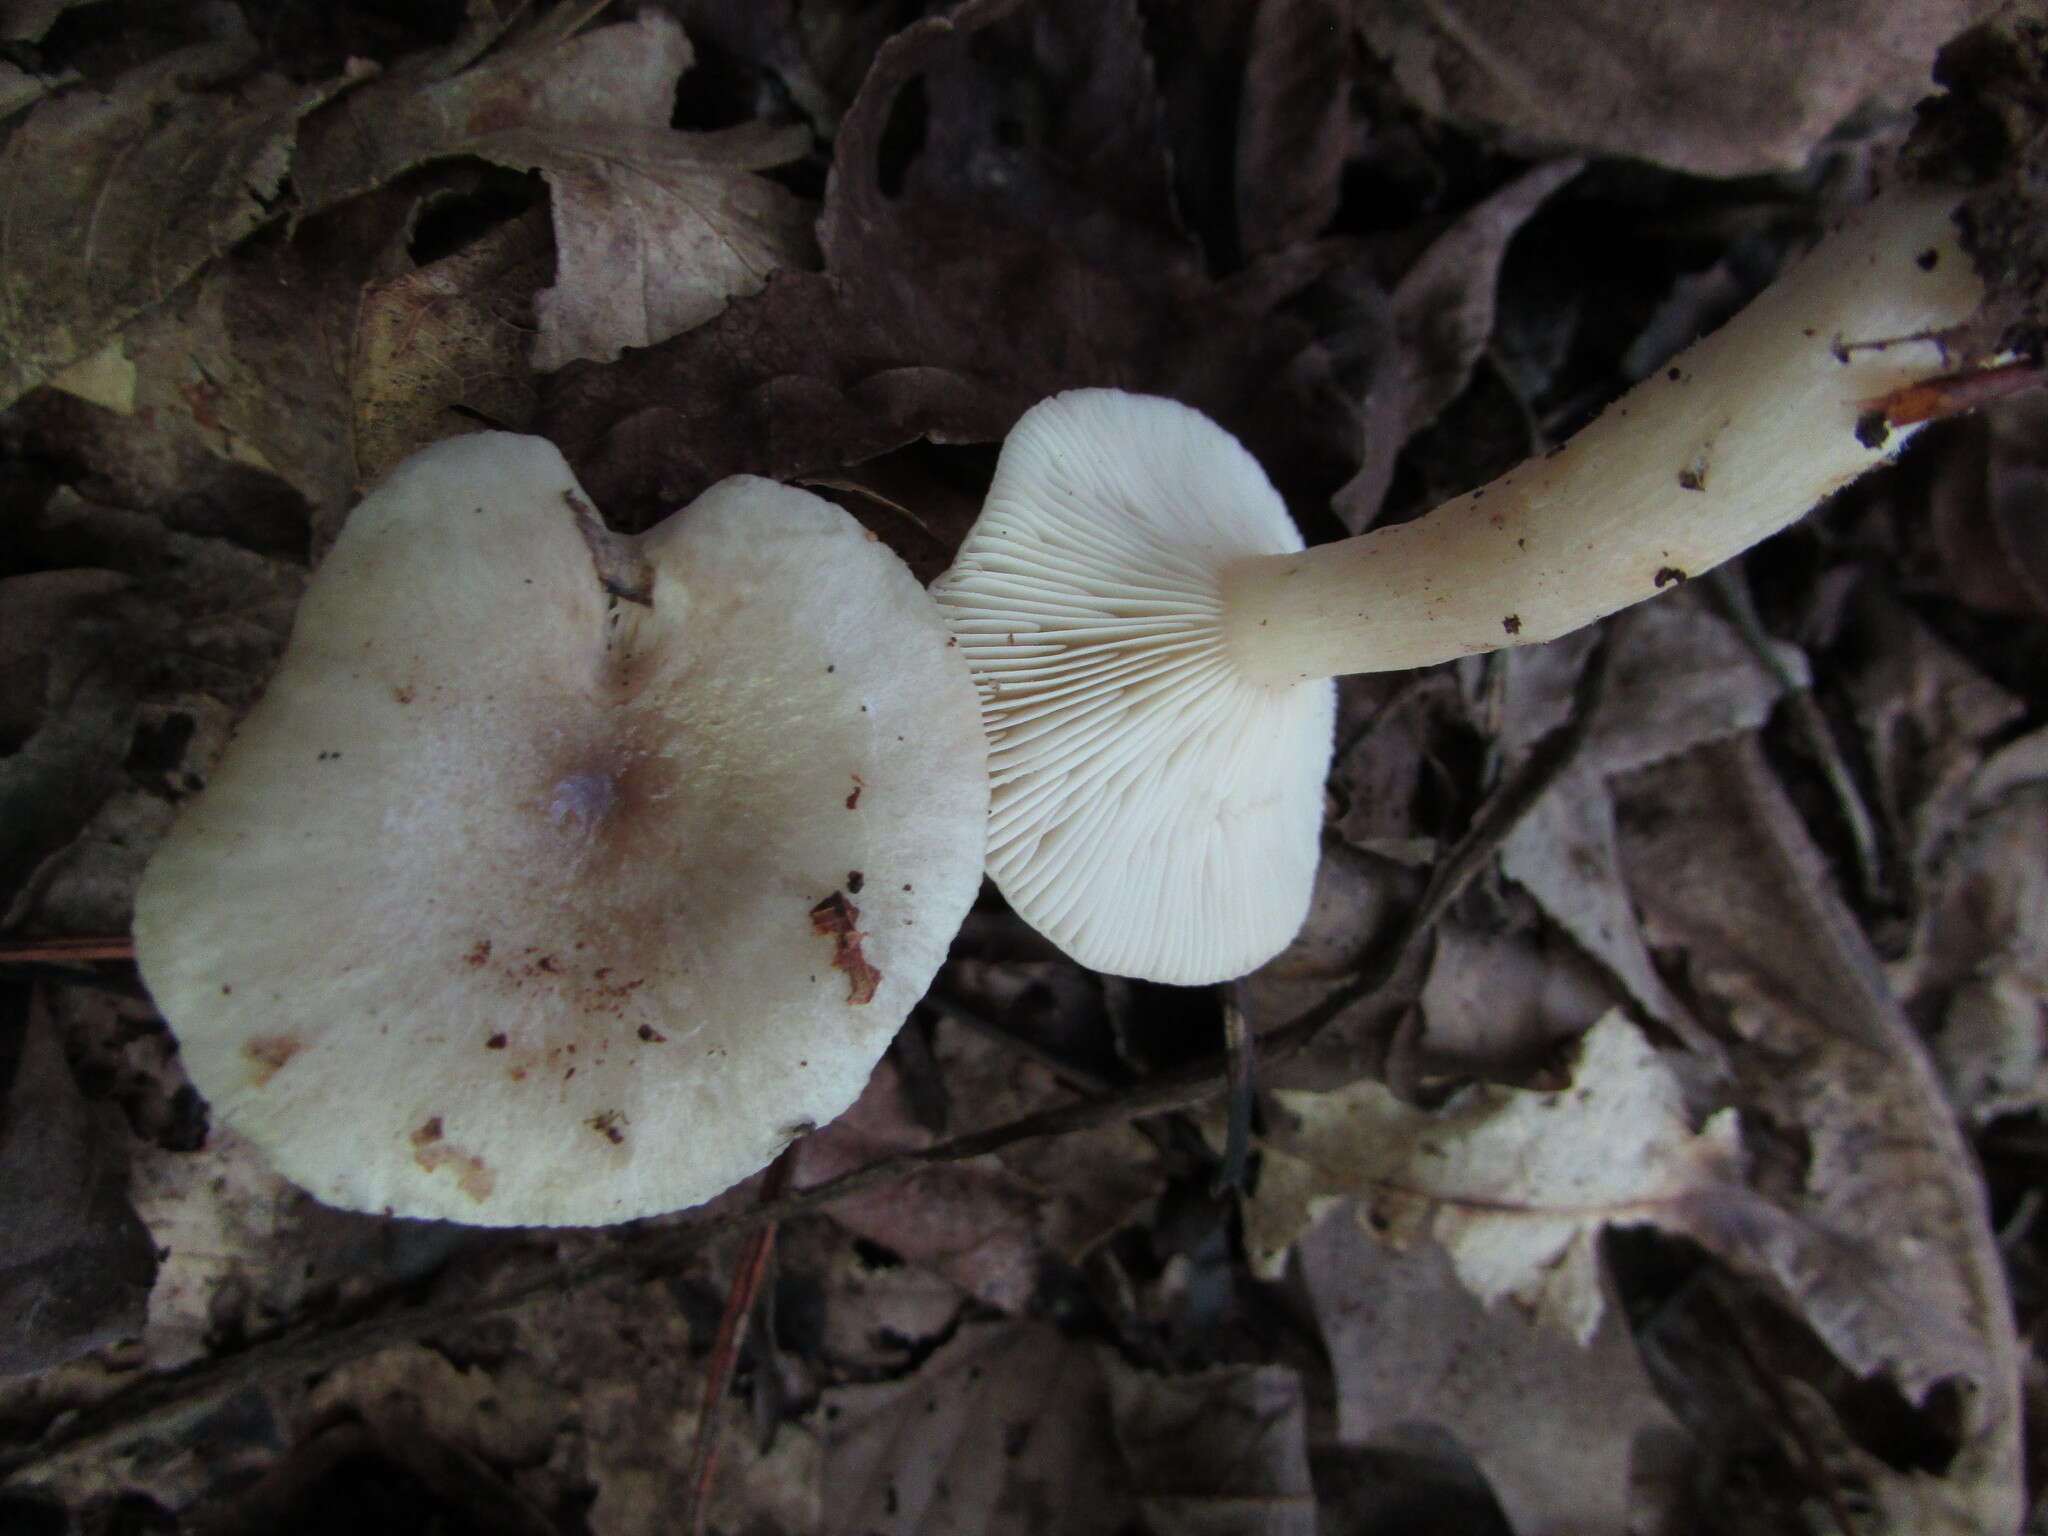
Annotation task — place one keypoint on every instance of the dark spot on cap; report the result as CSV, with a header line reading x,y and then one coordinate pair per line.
x,y
429,1132
1512,623
495,1043
855,880
652,1035
1669,576
1928,259
853,800
479,954
1873,428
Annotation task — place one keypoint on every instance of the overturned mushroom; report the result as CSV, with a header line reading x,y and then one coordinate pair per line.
x,y
1153,645
502,906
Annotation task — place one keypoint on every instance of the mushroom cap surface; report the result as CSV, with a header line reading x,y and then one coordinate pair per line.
x,y
515,903
1153,812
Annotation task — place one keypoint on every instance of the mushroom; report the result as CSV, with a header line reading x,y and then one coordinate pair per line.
x,y
1154,646
561,878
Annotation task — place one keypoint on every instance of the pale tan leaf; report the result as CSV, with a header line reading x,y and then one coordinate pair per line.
x,y
1518,1185
654,229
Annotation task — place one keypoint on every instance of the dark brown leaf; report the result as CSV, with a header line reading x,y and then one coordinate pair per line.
x,y
109,200
78,1263
1718,90
1888,1251
1443,319
941,316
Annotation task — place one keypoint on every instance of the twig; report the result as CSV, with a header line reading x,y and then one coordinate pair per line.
x,y
1814,734
725,1349
158,1404
1237,1055
47,951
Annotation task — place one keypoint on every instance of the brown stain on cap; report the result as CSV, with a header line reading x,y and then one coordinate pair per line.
x,y
473,1175
267,1055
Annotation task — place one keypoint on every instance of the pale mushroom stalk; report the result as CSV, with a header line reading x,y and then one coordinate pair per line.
x,y
1153,646
1740,435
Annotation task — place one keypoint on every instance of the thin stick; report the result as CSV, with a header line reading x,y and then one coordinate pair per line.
x,y
755,1253
1237,1056
45,951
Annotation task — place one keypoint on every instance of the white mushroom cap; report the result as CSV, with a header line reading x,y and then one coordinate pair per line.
x,y
515,904
1154,812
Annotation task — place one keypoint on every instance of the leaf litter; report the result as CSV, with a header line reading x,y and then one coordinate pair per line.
x,y
1678,1144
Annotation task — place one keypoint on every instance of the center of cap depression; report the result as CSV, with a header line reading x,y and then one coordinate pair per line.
x,y
503,910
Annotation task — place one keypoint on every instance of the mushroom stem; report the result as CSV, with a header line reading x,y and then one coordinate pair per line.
x,y
1740,435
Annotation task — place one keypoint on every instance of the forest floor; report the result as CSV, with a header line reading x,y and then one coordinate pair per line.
x,y
1646,1131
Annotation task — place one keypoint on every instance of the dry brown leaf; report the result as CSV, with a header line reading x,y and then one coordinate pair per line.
x,y
654,229
41,608
78,1263
1222,1452
27,20
945,310
457,331
880,1315
1979,964
1516,1185
1554,1426
1087,1184
1722,90
1005,1431
1443,319
1925,713
141,693
110,200
974,1223
1682,676
1884,1245
1294,122
1500,1002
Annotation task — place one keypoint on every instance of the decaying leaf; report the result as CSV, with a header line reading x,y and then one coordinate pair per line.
x,y
109,200
1216,1453
1442,310
1890,1258
456,332
1683,677
1553,1425
944,312
1516,1185
654,229
974,1223
1720,90
1979,966
78,1264
1005,1431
